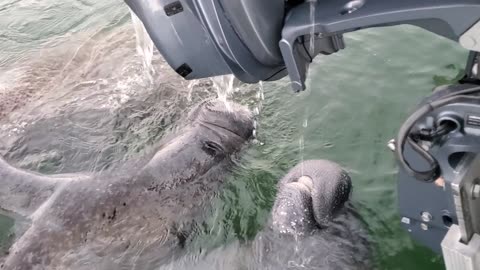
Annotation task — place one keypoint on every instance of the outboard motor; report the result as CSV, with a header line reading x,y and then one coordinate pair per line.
x,y
437,148
205,38
201,38
264,40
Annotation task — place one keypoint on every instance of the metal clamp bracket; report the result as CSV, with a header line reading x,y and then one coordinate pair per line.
x,y
332,18
461,245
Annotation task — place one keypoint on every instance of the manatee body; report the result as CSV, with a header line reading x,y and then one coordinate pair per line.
x,y
312,225
139,216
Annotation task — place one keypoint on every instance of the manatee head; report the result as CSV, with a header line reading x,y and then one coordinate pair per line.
x,y
310,196
224,124
214,132
231,117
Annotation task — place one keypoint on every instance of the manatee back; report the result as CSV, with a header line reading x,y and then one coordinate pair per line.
x,y
21,191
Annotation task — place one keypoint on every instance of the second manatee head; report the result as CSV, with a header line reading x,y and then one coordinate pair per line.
x,y
310,196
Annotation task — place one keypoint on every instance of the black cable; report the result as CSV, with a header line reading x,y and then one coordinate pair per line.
x,y
442,130
274,74
429,135
405,129
306,50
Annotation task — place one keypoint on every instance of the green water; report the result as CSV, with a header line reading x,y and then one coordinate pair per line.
x,y
355,102
6,234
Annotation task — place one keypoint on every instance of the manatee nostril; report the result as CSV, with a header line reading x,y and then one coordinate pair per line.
x,y
306,181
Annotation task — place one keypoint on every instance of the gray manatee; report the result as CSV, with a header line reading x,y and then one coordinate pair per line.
x,y
312,226
139,216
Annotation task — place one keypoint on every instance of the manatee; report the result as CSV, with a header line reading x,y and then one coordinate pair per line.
x,y
141,215
312,225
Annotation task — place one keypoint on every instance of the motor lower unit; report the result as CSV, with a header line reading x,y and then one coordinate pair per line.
x,y
438,150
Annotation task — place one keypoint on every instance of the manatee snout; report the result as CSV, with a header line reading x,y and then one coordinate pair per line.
x,y
226,117
312,226
310,196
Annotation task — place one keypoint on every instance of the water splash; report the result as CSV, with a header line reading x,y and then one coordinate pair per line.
x,y
224,87
144,46
260,97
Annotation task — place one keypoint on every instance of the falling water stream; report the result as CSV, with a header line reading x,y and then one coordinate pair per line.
x,y
311,49
223,85
313,4
144,45
260,98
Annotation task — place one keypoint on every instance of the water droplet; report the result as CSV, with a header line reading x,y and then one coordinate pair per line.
x,y
328,145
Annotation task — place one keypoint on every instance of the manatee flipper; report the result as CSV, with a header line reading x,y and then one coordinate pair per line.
x,y
23,192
